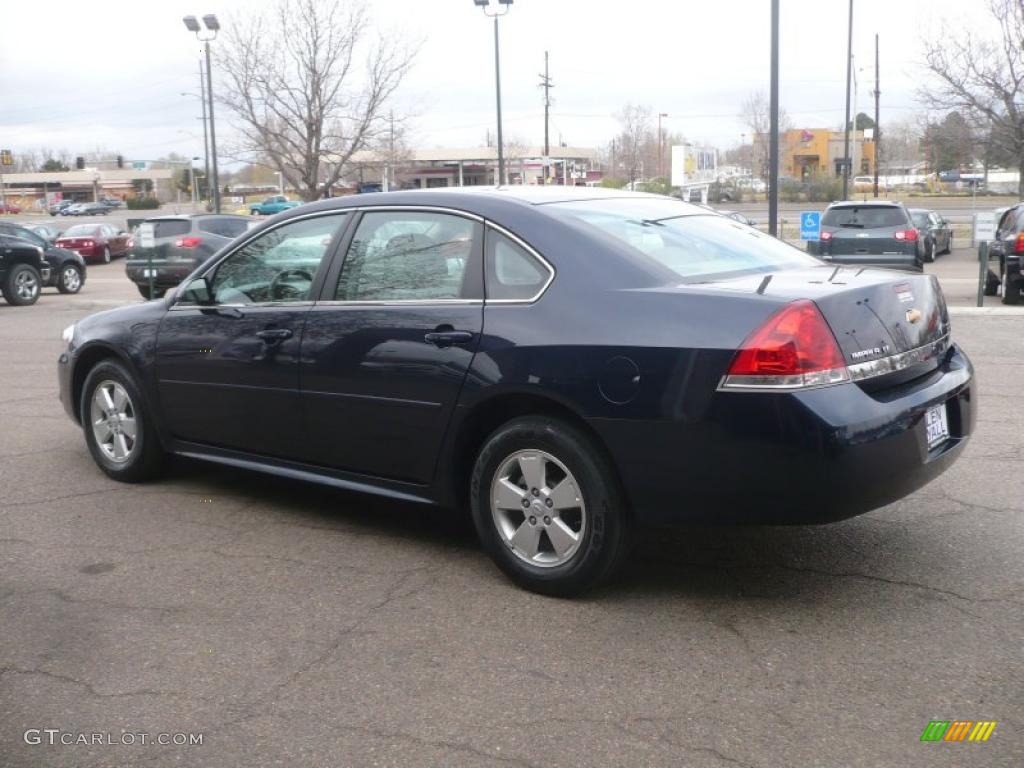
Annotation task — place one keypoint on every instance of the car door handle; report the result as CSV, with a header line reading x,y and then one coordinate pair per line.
x,y
274,335
445,338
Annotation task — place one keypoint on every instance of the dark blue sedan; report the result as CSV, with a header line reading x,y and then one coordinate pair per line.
x,y
566,363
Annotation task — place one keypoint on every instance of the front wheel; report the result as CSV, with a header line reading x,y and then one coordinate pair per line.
x,y
117,424
70,279
22,285
546,507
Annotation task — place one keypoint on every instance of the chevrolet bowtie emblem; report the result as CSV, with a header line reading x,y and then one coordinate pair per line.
x,y
913,315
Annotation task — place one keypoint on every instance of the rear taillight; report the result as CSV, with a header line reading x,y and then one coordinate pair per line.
x,y
187,242
793,349
88,243
826,236
1018,246
910,235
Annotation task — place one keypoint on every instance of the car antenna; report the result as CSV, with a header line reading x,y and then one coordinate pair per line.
x,y
764,284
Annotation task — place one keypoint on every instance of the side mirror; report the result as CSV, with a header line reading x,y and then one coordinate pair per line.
x,y
197,292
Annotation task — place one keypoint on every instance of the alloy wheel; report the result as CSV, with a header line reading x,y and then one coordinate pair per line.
x,y
26,285
114,425
537,508
106,255
71,279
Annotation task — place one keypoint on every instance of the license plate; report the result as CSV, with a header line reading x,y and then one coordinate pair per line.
x,y
936,425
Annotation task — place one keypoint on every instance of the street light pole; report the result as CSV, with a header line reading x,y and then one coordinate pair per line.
x,y
206,138
846,125
773,128
484,5
213,26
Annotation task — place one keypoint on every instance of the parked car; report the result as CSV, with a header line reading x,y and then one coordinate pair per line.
x,y
1007,249
273,205
23,270
460,348
9,208
71,210
935,232
45,231
737,216
181,243
96,242
66,268
870,232
86,209
111,202
59,206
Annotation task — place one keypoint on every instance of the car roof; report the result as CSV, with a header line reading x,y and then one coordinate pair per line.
x,y
868,203
524,194
193,216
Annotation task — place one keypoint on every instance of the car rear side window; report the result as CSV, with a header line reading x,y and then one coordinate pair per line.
x,y
693,246
223,227
408,256
872,217
512,273
171,228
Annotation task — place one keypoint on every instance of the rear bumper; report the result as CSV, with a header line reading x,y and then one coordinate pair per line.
x,y
810,457
166,274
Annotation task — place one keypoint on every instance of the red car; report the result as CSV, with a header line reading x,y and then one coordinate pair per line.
x,y
9,208
96,242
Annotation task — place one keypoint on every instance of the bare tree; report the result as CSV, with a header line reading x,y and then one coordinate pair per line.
x,y
755,112
982,78
634,138
303,101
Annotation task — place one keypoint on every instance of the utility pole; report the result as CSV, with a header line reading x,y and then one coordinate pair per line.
x,y
612,176
773,130
846,125
547,85
206,141
661,144
878,127
388,169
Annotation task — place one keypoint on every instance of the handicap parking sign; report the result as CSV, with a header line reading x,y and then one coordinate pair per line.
x,y
810,225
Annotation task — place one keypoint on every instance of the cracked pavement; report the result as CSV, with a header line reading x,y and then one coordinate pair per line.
x,y
299,626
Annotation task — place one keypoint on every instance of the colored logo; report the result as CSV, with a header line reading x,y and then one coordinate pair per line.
x,y
806,136
958,730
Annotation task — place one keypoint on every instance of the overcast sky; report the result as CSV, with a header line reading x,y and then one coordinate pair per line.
x,y
110,74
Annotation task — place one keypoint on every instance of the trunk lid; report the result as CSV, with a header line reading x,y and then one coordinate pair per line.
x,y
877,240
874,313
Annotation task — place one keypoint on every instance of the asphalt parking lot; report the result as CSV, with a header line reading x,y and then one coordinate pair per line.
x,y
297,626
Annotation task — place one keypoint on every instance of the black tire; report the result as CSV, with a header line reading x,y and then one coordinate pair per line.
x,y
606,534
991,284
106,255
68,282
146,455
949,245
1011,289
158,293
929,251
20,278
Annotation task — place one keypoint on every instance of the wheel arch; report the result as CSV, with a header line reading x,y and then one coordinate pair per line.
x,y
487,415
86,360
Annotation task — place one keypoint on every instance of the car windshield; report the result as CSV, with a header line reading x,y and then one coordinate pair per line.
x,y
864,217
920,218
693,246
82,230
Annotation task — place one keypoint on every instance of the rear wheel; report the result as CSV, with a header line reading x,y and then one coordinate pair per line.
x,y
117,424
949,244
991,284
158,293
929,251
546,507
1011,289
106,255
70,279
22,285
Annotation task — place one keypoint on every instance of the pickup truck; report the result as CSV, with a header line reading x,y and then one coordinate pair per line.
x,y
273,205
23,270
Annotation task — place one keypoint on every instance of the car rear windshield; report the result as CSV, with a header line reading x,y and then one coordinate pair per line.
x,y
224,227
864,217
82,230
694,246
171,227
920,219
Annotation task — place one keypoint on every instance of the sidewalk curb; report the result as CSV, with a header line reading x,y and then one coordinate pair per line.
x,y
985,311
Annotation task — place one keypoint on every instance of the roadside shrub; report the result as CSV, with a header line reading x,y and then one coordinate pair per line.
x,y
790,191
613,183
824,189
142,203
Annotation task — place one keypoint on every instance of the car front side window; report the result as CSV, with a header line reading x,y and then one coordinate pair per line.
x,y
279,265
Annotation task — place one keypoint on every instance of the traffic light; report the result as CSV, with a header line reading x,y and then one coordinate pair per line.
x,y
80,163
120,161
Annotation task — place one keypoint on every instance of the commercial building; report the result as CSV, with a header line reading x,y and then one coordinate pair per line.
x,y
33,190
808,152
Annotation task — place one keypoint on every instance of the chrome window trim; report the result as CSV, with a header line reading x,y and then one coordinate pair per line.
x,y
530,250
398,302
255,305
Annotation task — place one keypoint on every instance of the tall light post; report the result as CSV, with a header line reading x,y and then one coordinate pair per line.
x,y
504,6
661,145
212,27
206,136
